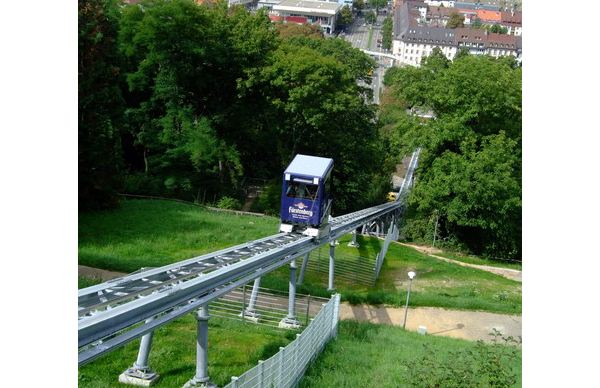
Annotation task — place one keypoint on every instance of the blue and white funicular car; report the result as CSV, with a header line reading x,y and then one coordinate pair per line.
x,y
306,196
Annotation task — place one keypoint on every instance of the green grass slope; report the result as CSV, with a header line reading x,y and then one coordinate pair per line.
x,y
152,233
381,356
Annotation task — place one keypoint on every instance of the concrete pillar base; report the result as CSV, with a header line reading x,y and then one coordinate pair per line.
x,y
250,315
289,323
199,383
139,377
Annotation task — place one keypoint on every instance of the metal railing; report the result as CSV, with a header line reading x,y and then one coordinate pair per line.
x,y
286,367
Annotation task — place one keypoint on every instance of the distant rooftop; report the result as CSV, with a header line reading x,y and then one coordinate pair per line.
x,y
325,8
314,166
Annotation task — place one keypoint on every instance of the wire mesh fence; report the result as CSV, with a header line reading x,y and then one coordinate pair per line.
x,y
286,367
269,308
351,268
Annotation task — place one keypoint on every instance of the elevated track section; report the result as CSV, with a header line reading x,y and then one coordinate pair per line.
x,y
118,311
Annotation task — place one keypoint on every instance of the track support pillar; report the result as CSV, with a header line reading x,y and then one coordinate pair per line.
x,y
290,322
201,378
140,373
249,312
331,266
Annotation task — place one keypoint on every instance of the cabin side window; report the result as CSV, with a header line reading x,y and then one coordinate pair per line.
x,y
302,191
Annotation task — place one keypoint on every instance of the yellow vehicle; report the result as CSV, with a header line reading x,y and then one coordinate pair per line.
x,y
391,196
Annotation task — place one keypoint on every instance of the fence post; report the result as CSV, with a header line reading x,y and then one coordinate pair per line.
x,y
280,377
234,380
336,315
296,374
307,308
261,372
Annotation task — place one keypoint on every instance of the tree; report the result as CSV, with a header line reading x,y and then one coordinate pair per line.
x,y
185,116
462,52
316,107
436,61
345,16
100,104
387,33
378,4
456,20
370,17
470,167
358,4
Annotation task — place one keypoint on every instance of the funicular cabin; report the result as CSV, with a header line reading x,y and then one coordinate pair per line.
x,y
306,196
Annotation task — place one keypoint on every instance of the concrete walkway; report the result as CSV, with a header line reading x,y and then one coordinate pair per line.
x,y
512,274
470,325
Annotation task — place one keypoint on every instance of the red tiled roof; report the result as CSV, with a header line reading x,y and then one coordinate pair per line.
x,y
507,17
486,15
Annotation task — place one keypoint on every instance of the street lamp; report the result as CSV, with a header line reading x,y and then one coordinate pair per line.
x,y
411,276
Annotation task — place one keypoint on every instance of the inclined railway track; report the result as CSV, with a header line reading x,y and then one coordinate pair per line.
x,y
115,312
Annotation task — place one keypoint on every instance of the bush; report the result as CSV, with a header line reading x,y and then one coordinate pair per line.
x,y
483,366
229,203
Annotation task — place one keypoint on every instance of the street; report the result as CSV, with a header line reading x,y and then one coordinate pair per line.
x,y
358,36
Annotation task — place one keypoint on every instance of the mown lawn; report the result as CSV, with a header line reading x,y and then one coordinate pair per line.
x,y
234,347
438,284
369,355
151,233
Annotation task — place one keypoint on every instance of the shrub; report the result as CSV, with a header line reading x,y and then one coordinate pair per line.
x,y
484,365
229,203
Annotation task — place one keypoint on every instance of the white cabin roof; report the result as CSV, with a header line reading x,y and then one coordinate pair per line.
x,y
313,166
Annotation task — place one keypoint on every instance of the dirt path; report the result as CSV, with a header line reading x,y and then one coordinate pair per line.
x,y
469,325
102,274
513,274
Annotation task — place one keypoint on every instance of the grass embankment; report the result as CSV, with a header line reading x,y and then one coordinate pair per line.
x,y
480,261
438,284
234,347
370,37
369,355
147,233
152,233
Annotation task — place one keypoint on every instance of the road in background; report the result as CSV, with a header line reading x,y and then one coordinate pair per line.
x,y
358,36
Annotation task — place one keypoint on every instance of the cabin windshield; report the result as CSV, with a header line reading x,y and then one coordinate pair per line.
x,y
302,191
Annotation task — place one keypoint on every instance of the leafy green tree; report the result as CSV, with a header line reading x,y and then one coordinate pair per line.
x,y
370,17
387,33
456,20
462,52
378,4
476,23
317,108
185,115
100,104
358,4
436,61
345,16
497,29
470,168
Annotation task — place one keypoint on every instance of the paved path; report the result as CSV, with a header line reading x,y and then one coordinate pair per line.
x,y
470,325
513,274
97,273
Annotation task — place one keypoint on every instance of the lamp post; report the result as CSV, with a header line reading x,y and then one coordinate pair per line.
x,y
411,276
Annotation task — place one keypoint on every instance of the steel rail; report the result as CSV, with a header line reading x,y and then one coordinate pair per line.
x,y
192,283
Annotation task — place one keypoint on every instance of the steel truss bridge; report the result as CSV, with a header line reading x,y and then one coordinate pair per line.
x,y
116,312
